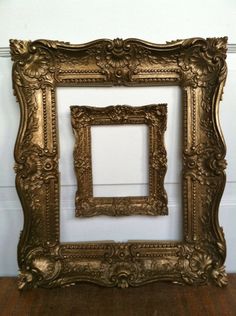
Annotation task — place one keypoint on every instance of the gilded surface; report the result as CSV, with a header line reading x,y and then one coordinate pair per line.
x,y
198,66
155,117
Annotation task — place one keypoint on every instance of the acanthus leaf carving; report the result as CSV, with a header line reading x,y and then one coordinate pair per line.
x,y
34,64
155,117
203,61
19,48
199,67
202,162
199,266
116,60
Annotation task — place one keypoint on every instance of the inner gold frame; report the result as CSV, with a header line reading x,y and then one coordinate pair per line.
x,y
154,116
198,66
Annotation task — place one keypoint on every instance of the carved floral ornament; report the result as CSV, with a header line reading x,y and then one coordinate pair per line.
x,y
198,66
154,116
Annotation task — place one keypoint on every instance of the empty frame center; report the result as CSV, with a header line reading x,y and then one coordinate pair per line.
x,y
120,160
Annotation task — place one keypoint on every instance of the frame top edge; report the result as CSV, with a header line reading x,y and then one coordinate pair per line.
x,y
19,47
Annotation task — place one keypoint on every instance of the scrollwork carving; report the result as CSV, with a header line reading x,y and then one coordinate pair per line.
x,y
203,162
198,266
203,61
198,66
152,115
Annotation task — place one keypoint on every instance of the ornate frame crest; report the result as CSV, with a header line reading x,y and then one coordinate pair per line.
x,y
83,118
198,66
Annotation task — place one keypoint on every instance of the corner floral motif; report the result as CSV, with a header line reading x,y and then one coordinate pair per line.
x,y
40,268
219,276
37,65
203,62
33,64
198,265
19,48
80,116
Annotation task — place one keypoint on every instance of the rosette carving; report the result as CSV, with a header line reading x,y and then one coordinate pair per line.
x,y
198,265
203,162
203,61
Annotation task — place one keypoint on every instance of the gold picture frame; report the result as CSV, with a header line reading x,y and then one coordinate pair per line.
x,y
198,66
155,117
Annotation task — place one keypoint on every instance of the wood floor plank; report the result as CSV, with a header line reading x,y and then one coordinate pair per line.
x,y
89,300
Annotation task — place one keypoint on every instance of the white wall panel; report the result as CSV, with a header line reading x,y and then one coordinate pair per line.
x,y
82,21
120,154
121,229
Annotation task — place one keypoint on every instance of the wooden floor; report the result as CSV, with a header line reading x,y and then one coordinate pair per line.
x,y
157,299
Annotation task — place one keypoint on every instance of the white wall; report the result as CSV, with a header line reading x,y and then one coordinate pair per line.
x,y
124,178
82,21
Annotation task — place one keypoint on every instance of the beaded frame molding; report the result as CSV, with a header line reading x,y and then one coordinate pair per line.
x,y
198,66
155,117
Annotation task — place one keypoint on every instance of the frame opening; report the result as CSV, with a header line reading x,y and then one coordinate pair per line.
x,y
120,157
121,229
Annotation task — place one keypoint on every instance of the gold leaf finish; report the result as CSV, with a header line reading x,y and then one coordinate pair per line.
x,y
198,66
155,117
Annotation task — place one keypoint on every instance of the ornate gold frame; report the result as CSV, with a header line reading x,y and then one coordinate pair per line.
x,y
83,118
198,66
